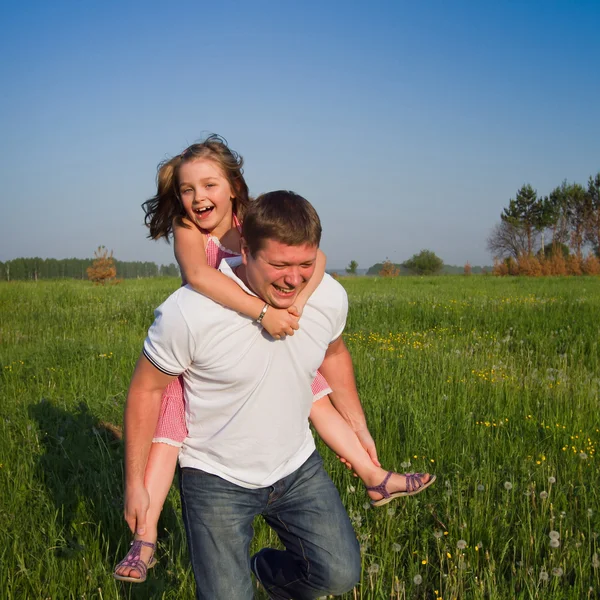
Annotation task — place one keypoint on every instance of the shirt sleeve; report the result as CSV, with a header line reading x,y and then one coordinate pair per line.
x,y
169,345
342,315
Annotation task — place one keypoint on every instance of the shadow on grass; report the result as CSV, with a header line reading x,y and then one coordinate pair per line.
x,y
82,469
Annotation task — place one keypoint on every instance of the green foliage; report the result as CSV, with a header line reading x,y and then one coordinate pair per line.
x,y
424,263
555,248
483,381
377,268
351,268
528,212
20,269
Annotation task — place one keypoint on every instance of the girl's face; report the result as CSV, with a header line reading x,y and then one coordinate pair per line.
x,y
206,195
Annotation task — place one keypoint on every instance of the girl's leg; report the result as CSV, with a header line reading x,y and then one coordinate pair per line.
x,y
338,435
158,478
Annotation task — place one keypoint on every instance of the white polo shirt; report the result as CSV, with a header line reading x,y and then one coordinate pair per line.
x,y
247,396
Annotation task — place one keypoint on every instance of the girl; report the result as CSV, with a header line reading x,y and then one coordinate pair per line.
x,y
200,201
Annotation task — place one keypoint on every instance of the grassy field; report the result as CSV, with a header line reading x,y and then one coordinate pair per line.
x,y
493,384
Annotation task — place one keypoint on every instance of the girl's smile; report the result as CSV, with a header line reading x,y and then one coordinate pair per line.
x,y
206,195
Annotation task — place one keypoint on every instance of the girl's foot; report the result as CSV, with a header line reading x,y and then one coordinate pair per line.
x,y
134,567
395,485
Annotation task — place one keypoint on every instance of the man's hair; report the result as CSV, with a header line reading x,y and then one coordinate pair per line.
x,y
282,216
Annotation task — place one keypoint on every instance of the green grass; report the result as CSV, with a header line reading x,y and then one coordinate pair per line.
x,y
493,384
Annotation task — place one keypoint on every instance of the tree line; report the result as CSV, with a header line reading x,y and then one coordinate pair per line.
x,y
565,221
20,269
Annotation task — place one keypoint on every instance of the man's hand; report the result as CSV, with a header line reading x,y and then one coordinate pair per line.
x,y
368,444
137,502
279,322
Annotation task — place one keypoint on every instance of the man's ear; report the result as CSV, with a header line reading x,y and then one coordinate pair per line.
x,y
244,251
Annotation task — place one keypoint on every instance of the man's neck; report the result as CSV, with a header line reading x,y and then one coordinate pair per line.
x,y
240,273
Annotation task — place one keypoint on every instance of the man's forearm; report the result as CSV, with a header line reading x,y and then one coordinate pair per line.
x,y
141,417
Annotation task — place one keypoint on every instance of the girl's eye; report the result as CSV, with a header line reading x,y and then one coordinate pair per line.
x,y
210,185
186,191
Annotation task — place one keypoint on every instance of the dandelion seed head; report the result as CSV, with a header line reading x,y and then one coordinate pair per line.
x,y
417,579
590,512
583,455
481,487
438,533
554,535
543,576
396,547
461,544
551,480
557,572
544,495
351,489
366,506
391,511
554,543
508,485
373,568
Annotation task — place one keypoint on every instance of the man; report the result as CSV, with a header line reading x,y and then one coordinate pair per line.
x,y
249,449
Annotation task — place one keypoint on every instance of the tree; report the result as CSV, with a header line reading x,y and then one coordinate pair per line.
x,y
592,233
424,263
527,212
103,268
351,268
507,239
578,211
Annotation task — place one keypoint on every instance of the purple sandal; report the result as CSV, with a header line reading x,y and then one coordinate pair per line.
x,y
414,485
133,561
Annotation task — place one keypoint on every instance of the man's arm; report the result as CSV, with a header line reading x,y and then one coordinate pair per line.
x,y
141,416
338,371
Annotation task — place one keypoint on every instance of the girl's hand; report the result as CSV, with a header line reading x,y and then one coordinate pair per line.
x,y
279,322
296,309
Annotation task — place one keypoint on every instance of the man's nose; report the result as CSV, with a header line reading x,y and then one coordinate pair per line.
x,y
293,277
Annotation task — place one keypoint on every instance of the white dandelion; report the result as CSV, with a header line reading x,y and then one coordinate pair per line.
x,y
417,579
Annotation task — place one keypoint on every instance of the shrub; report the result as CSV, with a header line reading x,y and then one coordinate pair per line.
x,y
468,269
103,268
591,265
574,265
424,263
389,269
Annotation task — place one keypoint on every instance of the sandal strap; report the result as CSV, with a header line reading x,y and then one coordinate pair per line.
x,y
382,487
414,481
133,558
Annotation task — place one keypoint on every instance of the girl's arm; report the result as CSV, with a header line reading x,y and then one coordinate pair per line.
x,y
312,285
191,256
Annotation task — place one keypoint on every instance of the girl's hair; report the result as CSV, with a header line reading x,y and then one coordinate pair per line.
x,y
165,209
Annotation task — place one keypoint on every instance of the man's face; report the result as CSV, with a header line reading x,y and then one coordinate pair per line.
x,y
278,273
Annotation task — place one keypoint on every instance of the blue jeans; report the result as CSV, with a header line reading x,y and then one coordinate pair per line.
x,y
321,555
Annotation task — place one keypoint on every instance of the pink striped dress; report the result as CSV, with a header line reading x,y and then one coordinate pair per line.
x,y
171,427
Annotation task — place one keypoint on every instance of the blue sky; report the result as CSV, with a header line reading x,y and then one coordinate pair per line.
x,y
408,125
